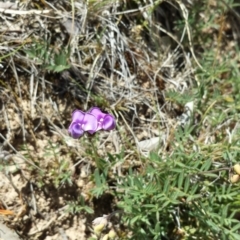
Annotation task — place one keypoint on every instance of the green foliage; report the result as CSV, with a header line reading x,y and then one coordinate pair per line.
x,y
79,206
179,196
59,168
60,61
101,183
44,54
182,99
61,175
174,191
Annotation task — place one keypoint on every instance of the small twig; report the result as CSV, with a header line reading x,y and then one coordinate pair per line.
x,y
45,227
3,203
20,112
34,205
231,10
129,128
216,170
185,16
9,177
109,216
21,12
19,155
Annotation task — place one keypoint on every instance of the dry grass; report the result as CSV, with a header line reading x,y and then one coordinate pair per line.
x,y
130,58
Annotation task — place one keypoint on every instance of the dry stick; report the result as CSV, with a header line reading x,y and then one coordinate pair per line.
x,y
215,170
21,12
109,216
73,16
231,10
7,124
45,227
9,177
131,131
19,155
19,101
185,16
34,205
91,77
34,12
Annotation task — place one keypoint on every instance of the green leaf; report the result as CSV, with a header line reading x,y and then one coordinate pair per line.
x,y
235,228
180,179
206,166
186,184
193,197
58,68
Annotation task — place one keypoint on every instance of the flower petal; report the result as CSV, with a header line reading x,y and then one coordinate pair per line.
x,y
95,111
77,116
90,123
75,130
109,122
92,131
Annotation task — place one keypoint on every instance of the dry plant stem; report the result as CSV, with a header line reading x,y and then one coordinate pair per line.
x,y
19,99
113,213
34,205
21,12
175,215
206,112
49,120
3,203
7,125
73,14
217,170
135,139
44,227
185,16
231,9
19,155
9,177
13,52
95,153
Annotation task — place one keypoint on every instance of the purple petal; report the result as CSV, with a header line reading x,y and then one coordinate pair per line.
x,y
75,130
77,116
92,131
95,111
90,123
109,122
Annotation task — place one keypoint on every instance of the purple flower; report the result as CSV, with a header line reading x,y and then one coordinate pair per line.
x,y
82,122
105,121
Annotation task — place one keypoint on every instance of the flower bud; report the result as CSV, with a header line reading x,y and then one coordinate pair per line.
x,y
99,224
234,178
98,229
112,234
100,220
180,232
105,237
236,168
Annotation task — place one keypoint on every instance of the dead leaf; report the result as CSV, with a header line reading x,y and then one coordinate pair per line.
x,y
149,144
6,212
